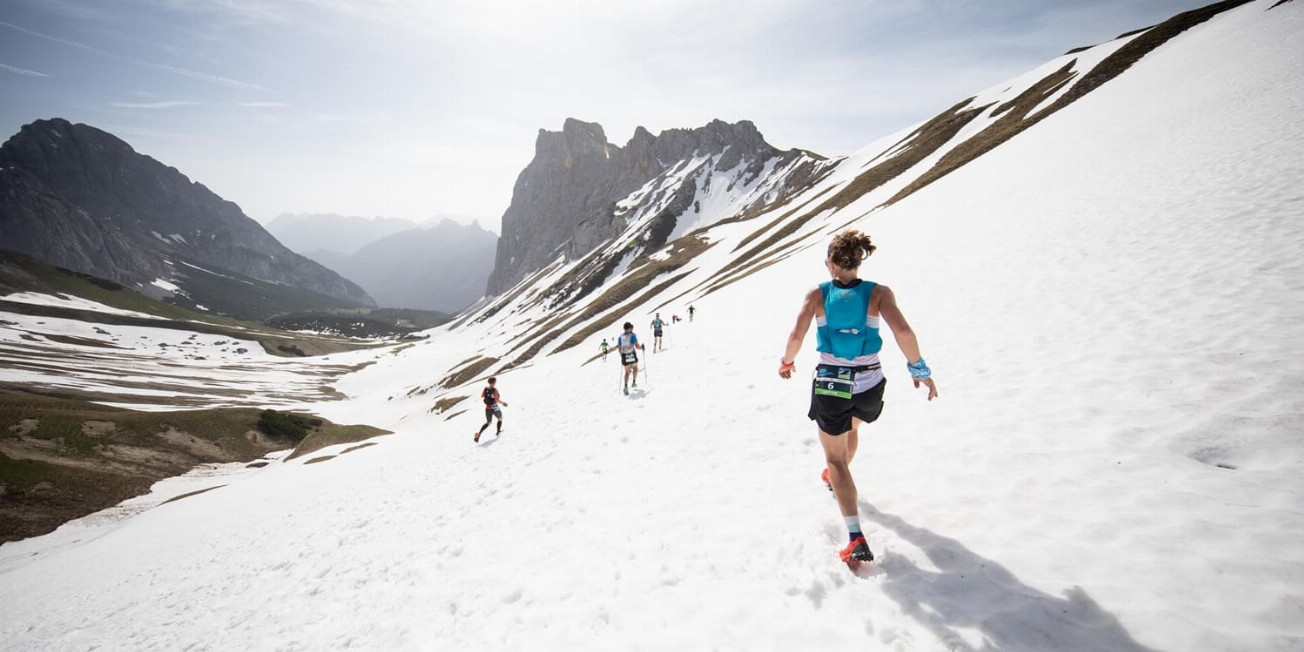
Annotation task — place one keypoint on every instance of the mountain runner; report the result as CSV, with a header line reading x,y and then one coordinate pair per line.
x,y
605,346
691,310
657,326
491,402
628,346
848,384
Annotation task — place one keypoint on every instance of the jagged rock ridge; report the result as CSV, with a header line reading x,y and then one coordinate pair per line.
x,y
580,190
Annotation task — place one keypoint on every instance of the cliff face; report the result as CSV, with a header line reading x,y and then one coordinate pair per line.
x,y
580,191
80,198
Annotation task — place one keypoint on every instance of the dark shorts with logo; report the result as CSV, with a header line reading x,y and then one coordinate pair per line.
x,y
491,411
628,358
833,414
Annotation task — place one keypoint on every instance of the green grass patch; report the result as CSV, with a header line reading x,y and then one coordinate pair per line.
x,y
64,420
467,372
39,496
192,493
330,435
68,458
443,404
288,425
23,476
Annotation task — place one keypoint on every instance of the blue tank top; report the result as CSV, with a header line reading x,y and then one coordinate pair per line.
x,y
846,331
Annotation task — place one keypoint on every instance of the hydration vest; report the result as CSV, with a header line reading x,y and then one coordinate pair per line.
x,y
626,342
846,333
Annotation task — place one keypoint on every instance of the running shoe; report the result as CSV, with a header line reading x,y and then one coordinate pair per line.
x,y
857,550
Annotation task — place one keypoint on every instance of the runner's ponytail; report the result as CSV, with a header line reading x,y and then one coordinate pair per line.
x,y
850,248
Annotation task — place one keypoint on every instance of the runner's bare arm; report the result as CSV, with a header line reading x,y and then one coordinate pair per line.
x,y
799,330
905,336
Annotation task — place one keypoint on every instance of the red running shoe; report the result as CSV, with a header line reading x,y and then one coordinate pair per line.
x,y
825,477
857,550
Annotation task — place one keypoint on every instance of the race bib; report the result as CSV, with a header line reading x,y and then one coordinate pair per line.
x,y
629,358
834,381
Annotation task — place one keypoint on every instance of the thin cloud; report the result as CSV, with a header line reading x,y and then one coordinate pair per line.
x,y
51,38
214,79
205,77
262,105
152,106
21,71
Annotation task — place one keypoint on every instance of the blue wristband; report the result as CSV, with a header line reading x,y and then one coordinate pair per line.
x,y
919,370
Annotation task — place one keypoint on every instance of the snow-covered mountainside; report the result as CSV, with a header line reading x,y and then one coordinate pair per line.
x,y
580,191
1104,263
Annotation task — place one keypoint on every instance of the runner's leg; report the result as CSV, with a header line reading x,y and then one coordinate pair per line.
x,y
837,457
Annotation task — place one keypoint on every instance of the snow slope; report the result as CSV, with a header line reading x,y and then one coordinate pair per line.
x,y
1113,305
145,365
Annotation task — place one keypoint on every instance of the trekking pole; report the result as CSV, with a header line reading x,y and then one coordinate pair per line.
x,y
645,376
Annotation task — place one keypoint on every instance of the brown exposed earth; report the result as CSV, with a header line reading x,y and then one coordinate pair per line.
x,y
62,458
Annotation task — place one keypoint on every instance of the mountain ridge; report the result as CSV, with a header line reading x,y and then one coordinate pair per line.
x,y
83,199
579,191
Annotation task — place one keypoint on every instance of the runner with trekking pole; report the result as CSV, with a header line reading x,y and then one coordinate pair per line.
x,y
628,346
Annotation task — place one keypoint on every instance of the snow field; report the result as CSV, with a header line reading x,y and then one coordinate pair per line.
x,y
1110,303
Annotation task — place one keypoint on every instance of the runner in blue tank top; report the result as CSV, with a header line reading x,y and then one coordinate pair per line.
x,y
848,386
628,346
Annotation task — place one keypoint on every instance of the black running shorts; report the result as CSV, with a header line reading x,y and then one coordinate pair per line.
x,y
833,414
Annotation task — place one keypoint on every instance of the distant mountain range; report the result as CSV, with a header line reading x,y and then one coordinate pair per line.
x,y
443,268
342,234
434,265
82,199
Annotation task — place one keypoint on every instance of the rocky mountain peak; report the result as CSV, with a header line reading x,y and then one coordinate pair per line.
x,y
565,201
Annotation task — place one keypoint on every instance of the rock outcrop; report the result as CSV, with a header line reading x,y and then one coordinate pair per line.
x,y
580,191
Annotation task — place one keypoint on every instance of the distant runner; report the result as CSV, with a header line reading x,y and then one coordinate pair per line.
x,y
491,402
691,310
849,382
628,346
605,346
657,327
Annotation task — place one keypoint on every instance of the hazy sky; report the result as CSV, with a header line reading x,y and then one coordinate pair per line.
x,y
419,108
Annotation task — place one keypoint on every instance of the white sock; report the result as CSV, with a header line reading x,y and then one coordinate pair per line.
x,y
853,524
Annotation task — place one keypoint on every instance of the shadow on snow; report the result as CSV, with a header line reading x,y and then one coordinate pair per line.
x,y
970,591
